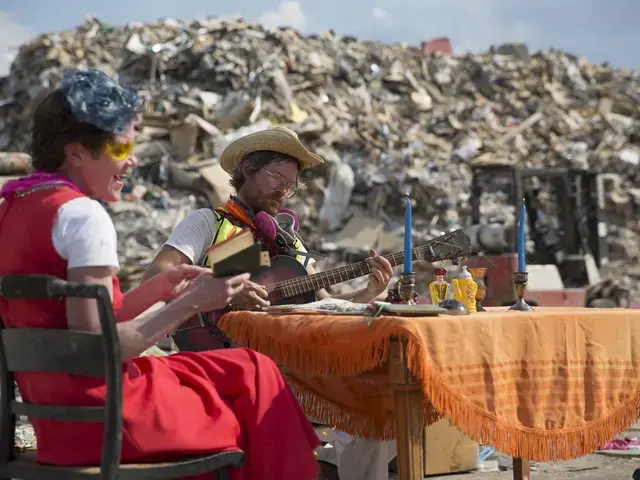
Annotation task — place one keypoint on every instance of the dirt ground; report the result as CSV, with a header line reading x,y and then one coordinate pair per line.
x,y
589,467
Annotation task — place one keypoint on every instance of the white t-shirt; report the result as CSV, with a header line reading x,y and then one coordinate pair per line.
x,y
84,235
194,234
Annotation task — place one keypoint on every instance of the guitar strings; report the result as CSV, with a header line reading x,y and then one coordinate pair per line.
x,y
346,269
292,283
309,279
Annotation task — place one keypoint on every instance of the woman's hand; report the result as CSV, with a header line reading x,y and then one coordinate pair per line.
x,y
206,292
177,279
209,292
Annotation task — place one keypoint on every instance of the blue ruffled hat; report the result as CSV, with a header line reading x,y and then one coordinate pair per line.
x,y
96,99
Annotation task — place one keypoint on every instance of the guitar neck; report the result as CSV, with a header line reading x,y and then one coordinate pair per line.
x,y
445,247
334,276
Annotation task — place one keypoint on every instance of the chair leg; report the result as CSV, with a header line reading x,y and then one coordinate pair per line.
x,y
222,474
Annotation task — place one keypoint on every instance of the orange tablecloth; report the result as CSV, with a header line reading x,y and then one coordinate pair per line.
x,y
546,385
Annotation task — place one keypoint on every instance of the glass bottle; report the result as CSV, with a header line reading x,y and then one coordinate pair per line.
x,y
439,288
456,293
468,289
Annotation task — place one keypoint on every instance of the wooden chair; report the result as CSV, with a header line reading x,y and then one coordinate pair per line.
x,y
76,353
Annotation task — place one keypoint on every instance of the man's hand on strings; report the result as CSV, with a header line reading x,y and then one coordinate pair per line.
x,y
252,297
381,273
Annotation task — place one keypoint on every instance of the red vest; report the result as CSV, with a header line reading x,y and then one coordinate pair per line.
x,y
26,224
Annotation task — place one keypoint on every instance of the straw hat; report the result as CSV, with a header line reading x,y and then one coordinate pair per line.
x,y
276,139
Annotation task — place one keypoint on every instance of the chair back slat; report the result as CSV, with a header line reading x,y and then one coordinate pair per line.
x,y
63,351
55,412
44,287
47,350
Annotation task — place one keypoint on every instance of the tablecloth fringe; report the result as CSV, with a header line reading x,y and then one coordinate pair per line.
x,y
324,411
314,360
328,413
513,439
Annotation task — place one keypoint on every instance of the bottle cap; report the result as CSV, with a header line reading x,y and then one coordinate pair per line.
x,y
464,273
440,271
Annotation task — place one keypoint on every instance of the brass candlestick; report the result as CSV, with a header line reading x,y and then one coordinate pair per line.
x,y
478,276
406,288
520,280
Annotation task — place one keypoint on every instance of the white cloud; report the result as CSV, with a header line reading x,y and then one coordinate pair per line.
x,y
378,13
12,35
289,14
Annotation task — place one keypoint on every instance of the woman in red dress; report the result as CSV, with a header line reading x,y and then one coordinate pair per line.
x,y
182,404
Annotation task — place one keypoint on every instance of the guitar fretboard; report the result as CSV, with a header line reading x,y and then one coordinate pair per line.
x,y
441,248
297,286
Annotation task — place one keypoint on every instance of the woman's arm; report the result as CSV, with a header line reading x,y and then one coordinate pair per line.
x,y
84,235
203,293
141,298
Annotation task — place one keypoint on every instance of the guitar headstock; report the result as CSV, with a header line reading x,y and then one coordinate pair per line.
x,y
450,246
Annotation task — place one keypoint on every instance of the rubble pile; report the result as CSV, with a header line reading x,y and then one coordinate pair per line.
x,y
386,118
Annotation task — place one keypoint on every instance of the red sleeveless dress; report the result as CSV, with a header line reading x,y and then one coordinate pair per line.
x,y
182,404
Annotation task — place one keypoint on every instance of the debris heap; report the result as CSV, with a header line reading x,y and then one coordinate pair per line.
x,y
386,118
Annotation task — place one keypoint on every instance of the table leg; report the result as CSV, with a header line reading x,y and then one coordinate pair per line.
x,y
521,469
407,398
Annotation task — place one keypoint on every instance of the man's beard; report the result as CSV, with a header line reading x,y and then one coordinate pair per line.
x,y
264,204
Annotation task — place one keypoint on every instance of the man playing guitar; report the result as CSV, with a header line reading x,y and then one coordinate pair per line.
x,y
264,168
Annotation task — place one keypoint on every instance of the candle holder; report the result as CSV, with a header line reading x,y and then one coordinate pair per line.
x,y
520,280
404,291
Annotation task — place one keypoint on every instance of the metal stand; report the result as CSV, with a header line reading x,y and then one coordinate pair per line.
x,y
406,288
520,281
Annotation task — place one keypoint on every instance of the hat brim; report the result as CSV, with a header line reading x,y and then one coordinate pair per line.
x,y
274,140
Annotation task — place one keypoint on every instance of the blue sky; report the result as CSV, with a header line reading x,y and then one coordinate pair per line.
x,y
601,30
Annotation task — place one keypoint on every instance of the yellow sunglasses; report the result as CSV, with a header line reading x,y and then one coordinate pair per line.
x,y
119,151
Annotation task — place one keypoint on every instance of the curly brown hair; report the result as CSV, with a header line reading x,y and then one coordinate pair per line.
x,y
54,127
253,163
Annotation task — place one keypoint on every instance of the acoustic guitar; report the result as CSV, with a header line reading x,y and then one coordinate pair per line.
x,y
288,282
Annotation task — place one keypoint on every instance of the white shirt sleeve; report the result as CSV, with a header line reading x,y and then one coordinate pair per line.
x,y
84,235
194,234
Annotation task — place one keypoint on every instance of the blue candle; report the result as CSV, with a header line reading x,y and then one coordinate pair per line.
x,y
522,267
408,251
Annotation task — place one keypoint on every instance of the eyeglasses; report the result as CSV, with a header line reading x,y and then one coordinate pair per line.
x,y
278,182
119,151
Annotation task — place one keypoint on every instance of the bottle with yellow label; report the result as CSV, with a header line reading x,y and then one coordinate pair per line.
x,y
439,288
468,289
455,290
